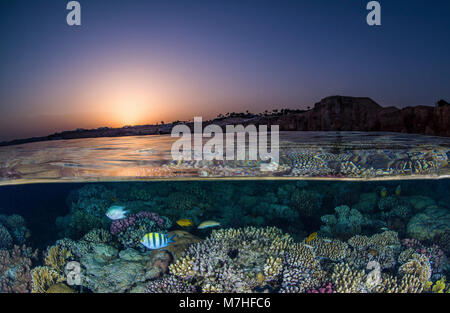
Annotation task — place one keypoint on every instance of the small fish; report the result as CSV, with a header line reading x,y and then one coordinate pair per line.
x,y
398,190
308,246
384,228
383,192
207,224
327,240
311,237
156,240
185,222
116,212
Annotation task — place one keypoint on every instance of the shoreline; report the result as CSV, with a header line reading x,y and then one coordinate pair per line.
x,y
334,113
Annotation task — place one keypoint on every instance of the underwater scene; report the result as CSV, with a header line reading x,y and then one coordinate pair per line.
x,y
255,235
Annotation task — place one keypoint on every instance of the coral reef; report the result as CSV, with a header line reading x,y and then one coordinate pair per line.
x,y
430,223
245,259
56,258
383,248
13,231
323,238
347,280
434,253
107,269
15,265
5,238
419,266
43,278
306,202
169,284
326,288
131,229
345,223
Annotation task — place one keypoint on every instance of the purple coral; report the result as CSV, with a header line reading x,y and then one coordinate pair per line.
x,y
153,216
327,288
434,253
119,226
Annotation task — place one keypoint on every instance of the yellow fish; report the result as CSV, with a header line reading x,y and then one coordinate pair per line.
x,y
207,224
398,190
311,237
185,222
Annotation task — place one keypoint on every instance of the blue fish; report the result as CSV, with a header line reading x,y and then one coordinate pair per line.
x,y
156,240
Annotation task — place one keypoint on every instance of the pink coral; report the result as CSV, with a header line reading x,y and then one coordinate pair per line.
x,y
119,226
327,288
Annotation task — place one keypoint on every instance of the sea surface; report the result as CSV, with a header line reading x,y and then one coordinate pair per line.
x,y
338,212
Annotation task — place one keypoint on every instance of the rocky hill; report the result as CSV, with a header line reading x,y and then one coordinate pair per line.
x,y
339,113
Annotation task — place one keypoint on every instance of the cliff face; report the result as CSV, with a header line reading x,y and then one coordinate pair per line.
x,y
338,113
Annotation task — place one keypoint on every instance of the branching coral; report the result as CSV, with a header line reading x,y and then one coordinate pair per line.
x,y
334,250
169,284
240,260
272,268
347,280
43,278
383,248
98,235
15,269
407,284
56,258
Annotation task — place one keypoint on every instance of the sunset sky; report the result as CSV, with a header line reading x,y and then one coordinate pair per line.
x,y
140,62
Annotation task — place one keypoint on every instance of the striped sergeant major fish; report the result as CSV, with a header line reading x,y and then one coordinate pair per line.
x,y
156,240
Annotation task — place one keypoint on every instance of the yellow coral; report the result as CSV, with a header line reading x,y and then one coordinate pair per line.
x,y
183,267
347,280
272,268
439,286
43,277
407,284
56,258
60,288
